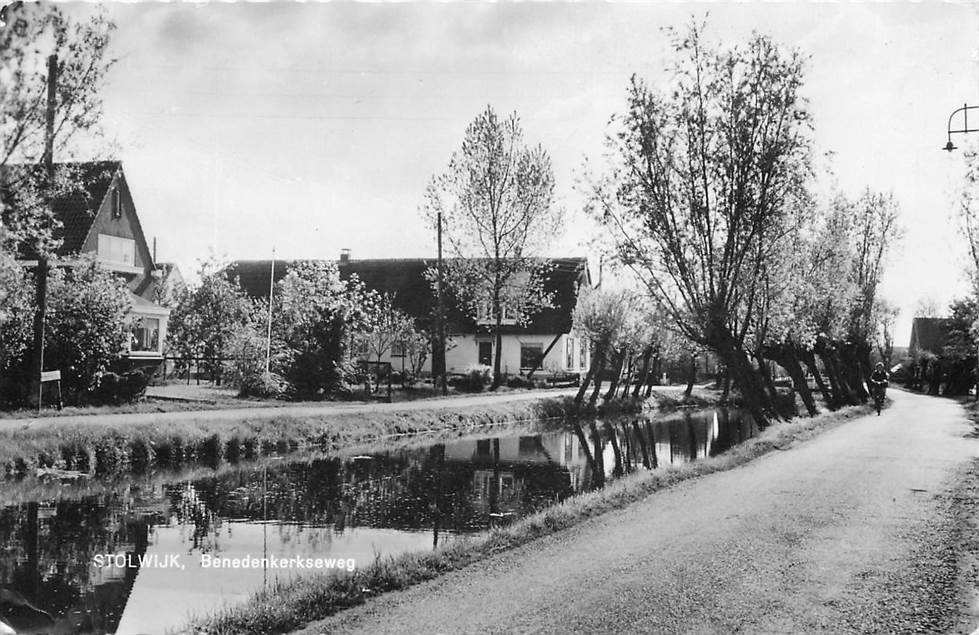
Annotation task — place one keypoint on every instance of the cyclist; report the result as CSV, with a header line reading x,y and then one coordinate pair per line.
x,y
878,385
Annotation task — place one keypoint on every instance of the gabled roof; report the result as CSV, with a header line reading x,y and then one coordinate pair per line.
x,y
76,211
404,280
254,275
929,334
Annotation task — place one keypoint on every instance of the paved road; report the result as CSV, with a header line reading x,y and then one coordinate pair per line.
x,y
852,531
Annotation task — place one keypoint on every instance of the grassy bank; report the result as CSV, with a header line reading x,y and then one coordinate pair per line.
x,y
111,446
293,606
57,487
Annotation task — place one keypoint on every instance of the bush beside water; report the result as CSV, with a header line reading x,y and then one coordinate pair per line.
x,y
476,378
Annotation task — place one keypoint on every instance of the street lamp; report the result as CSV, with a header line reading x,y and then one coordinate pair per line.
x,y
949,147
965,125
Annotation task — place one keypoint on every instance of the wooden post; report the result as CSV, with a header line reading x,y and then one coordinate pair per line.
x,y
441,315
268,342
41,273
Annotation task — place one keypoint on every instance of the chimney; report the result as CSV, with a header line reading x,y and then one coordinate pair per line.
x,y
344,257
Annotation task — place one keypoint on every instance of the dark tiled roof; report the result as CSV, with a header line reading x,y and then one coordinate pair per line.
x,y
929,334
253,275
76,211
404,280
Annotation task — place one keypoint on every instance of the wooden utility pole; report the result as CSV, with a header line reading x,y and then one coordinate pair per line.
x,y
41,273
268,342
441,315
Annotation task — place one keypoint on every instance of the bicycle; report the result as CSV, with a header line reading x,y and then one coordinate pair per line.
x,y
878,389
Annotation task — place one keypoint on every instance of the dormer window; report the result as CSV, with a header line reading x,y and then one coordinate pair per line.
x,y
485,315
116,203
116,250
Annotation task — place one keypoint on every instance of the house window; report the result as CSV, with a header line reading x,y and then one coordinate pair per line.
x,y
484,354
527,446
397,349
146,335
358,348
569,353
531,355
582,354
485,314
117,250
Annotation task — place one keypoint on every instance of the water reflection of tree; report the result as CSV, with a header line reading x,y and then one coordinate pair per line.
x,y
681,438
48,551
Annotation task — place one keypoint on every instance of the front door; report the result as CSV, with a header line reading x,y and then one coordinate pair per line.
x,y
486,353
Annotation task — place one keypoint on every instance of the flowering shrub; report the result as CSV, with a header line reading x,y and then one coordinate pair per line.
x,y
475,378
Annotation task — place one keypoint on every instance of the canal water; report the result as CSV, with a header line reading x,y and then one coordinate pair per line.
x,y
139,556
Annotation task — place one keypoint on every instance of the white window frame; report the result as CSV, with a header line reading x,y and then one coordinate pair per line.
x,y
485,314
142,329
108,247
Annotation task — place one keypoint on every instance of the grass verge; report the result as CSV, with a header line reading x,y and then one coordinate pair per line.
x,y
111,446
297,604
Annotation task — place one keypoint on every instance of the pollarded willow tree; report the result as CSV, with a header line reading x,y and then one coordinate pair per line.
x,y
707,178
874,232
600,316
822,298
33,33
496,202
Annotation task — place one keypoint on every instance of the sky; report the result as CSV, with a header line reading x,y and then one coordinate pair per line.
x,y
308,128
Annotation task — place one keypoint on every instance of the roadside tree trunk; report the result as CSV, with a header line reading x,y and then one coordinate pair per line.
x,y
851,369
691,376
810,361
785,356
616,376
593,374
598,383
765,372
745,377
629,375
643,378
654,380
584,387
498,342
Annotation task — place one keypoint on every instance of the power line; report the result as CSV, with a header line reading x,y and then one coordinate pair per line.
x,y
189,115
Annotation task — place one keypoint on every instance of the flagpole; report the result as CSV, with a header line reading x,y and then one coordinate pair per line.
x,y
268,343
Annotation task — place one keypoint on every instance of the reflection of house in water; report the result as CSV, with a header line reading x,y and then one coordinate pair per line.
x,y
47,549
518,474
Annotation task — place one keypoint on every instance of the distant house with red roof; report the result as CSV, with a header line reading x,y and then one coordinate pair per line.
x,y
100,218
546,337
